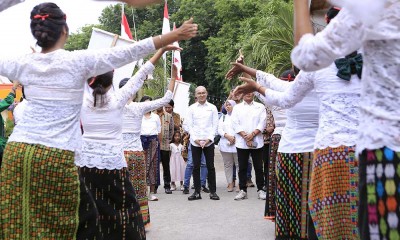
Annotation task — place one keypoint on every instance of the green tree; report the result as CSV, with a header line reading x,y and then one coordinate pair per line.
x,y
269,49
262,28
80,39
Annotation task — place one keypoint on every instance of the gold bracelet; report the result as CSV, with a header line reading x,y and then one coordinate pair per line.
x,y
162,43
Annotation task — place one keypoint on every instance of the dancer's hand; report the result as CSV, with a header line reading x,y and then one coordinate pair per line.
x,y
237,67
15,86
249,86
188,30
171,48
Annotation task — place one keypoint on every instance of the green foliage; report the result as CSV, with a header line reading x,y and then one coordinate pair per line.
x,y
263,29
9,127
269,49
80,39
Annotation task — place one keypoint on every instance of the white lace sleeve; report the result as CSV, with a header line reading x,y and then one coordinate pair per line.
x,y
4,4
10,67
134,84
96,62
294,94
153,105
343,35
270,81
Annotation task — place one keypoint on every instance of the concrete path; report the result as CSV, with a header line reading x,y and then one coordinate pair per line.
x,y
173,217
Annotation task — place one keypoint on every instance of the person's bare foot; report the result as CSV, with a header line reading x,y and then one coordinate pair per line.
x,y
230,187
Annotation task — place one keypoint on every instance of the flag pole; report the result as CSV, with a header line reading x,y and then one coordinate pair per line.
x,y
165,72
134,25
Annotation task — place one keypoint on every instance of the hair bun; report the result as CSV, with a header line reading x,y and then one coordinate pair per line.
x,y
47,29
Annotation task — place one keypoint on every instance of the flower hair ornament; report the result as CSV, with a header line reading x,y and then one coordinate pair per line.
x,y
39,16
92,81
45,16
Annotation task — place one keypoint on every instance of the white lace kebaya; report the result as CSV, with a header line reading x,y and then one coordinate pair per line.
x,y
301,127
338,104
102,146
380,95
278,113
54,88
132,120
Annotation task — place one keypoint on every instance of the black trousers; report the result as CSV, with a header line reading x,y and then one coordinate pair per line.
x,y
165,157
265,158
243,158
209,155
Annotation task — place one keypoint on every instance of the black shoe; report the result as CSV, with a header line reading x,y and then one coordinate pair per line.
x,y
214,196
186,190
168,191
194,196
204,189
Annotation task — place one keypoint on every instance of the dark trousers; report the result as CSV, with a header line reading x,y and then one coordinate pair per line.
x,y
243,158
165,156
209,155
265,157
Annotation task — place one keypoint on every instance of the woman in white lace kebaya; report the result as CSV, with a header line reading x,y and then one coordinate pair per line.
x,y
41,195
102,164
374,26
134,155
333,194
294,160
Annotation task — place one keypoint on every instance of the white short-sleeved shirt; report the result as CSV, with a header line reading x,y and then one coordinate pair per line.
x,y
151,126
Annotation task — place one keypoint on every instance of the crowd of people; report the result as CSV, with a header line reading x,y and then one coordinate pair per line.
x,y
84,158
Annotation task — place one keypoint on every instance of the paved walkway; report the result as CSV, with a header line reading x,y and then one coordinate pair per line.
x,y
173,217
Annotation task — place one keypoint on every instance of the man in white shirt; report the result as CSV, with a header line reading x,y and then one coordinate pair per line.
x,y
248,121
202,123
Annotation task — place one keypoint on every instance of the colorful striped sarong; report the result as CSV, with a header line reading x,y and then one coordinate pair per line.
x,y
137,169
379,210
270,204
42,197
333,199
151,149
293,179
120,216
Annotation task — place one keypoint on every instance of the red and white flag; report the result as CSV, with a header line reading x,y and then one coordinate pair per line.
x,y
125,30
166,26
177,61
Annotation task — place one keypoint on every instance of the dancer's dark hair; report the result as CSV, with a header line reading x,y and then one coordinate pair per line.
x,y
47,24
145,98
123,82
172,103
288,75
332,12
99,84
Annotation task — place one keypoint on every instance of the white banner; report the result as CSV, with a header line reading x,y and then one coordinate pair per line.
x,y
181,98
103,39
